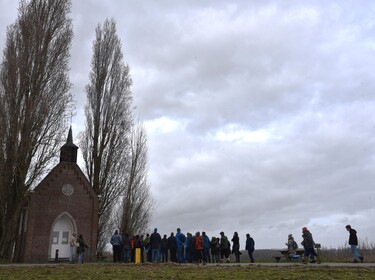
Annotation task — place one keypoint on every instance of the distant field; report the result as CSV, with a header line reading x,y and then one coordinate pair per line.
x,y
175,271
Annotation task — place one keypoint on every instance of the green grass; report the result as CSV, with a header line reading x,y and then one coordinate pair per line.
x,y
173,271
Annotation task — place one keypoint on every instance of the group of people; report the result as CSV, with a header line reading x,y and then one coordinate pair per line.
x,y
198,247
180,248
309,246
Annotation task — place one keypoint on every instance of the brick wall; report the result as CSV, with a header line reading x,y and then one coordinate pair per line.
x,y
48,202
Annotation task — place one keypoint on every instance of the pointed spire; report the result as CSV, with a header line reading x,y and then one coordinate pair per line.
x,y
70,136
68,152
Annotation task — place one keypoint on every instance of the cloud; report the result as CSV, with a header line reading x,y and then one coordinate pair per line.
x,y
259,114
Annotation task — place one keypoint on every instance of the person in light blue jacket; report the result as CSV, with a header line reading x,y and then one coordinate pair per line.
x,y
116,241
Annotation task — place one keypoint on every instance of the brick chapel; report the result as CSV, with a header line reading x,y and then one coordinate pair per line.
x,y
64,202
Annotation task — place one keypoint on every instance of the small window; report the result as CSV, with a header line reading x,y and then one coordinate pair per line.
x,y
65,238
55,237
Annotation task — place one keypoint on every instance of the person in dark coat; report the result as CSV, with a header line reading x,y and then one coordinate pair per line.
x,y
224,247
215,249
353,242
236,246
308,245
155,242
81,248
172,246
164,249
138,244
126,243
250,247
190,247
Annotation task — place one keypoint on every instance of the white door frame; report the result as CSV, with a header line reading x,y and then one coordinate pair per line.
x,y
62,229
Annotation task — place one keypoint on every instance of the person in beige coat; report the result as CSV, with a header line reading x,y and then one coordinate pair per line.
x,y
73,245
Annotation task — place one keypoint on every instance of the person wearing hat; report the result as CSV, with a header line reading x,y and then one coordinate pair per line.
x,y
155,242
308,245
292,245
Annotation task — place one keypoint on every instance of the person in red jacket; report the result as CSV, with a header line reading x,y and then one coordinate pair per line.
x,y
198,247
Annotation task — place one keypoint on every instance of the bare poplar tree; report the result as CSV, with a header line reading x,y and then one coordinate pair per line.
x,y
104,143
34,100
137,203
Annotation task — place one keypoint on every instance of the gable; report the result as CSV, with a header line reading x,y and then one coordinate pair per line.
x,y
67,178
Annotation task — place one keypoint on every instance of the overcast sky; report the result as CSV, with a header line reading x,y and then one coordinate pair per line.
x,y
260,114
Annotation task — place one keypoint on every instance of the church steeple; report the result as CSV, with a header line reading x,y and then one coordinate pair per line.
x,y
68,152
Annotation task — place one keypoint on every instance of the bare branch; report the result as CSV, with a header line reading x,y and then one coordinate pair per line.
x,y
104,142
34,101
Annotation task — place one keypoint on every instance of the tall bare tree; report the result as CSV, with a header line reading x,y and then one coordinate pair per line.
x,y
137,203
104,143
34,101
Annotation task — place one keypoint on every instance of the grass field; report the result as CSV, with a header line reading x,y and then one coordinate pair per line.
x,y
175,271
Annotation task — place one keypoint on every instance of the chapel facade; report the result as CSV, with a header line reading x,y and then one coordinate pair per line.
x,y
62,203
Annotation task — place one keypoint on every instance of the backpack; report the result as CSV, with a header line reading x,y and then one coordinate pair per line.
x,y
182,238
295,245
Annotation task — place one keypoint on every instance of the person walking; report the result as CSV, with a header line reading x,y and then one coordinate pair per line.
x,y
250,247
236,246
81,248
353,242
308,245
116,241
73,247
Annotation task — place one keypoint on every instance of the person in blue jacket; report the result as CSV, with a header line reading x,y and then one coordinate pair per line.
x,y
180,240
206,247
